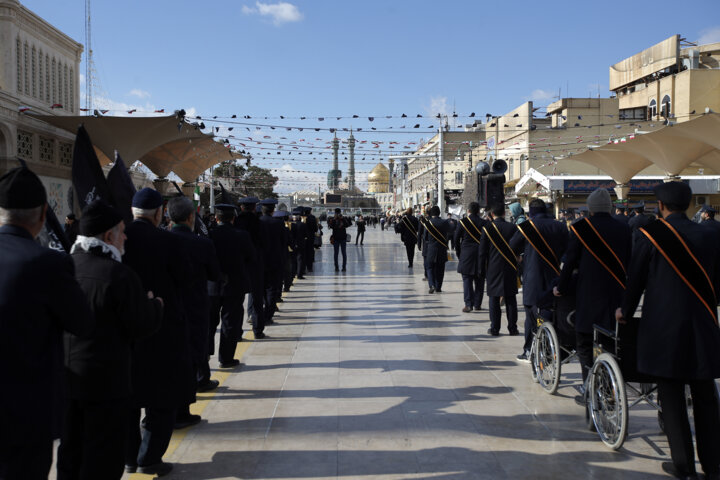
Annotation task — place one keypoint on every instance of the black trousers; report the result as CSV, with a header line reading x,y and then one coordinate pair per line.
x,y
340,246
677,427
511,311
93,440
26,462
255,300
473,290
584,349
289,271
360,236
410,250
228,310
435,271
148,447
301,262
530,326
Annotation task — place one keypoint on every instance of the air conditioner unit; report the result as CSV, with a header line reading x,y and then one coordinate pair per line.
x,y
700,201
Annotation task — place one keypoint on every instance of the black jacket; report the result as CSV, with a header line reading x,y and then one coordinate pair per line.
x,y
276,249
537,275
467,248
677,337
236,256
436,247
598,294
501,276
97,367
338,225
409,234
162,363
39,299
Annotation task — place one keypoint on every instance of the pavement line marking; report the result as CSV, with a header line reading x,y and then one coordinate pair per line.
x,y
203,400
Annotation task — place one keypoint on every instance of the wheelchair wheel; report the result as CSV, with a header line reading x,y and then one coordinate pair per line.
x,y
547,359
608,402
533,370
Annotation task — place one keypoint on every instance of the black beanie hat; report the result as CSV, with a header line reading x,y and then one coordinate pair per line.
x,y
21,188
98,217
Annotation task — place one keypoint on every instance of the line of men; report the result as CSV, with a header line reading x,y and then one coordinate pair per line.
x,y
125,323
608,264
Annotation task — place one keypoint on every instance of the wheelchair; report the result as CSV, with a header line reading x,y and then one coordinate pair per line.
x,y
554,343
613,374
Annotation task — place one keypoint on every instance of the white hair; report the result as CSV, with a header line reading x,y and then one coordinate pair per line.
x,y
20,216
144,212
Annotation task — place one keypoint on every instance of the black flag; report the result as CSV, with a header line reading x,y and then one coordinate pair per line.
x,y
225,196
200,228
55,233
121,189
87,176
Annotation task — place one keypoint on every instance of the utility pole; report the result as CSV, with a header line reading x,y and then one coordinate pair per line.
x,y
441,182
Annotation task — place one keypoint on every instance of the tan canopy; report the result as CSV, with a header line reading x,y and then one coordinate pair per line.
x,y
163,144
672,149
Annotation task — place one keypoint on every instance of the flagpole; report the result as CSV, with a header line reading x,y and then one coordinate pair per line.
x,y
212,192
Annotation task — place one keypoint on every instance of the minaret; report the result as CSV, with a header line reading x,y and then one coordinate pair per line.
x,y
333,181
351,169
391,163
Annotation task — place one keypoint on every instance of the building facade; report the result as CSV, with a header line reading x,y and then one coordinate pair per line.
x,y
40,74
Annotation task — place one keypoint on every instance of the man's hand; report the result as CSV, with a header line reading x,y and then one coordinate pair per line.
x,y
556,292
151,296
619,316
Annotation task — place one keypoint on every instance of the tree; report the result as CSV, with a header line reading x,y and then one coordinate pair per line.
x,y
248,180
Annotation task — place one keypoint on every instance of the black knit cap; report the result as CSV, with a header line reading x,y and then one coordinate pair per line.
x,y
21,188
98,217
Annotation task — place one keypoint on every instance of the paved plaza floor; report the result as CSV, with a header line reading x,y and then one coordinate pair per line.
x,y
367,376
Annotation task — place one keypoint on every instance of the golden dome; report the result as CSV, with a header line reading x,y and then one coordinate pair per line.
x,y
379,174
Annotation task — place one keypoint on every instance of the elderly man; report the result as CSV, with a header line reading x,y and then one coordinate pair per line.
x,y
97,368
162,370
39,298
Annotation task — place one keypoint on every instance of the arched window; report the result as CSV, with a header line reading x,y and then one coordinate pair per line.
x,y
665,106
53,97
26,68
66,85
59,98
34,71
71,107
41,76
47,78
18,58
652,109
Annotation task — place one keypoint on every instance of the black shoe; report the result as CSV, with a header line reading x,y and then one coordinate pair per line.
x,y
523,357
300,277
669,468
280,300
437,290
580,400
409,266
187,421
513,333
343,269
493,333
260,336
231,364
130,468
431,290
337,269
208,386
160,469
477,308
424,277
467,309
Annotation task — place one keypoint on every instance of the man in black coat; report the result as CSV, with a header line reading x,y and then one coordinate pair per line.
x,y
599,248
502,271
435,236
205,268
71,227
236,256
312,226
97,367
542,242
275,256
408,228
338,224
39,299
290,266
467,240
422,245
707,219
301,240
163,376
676,265
249,221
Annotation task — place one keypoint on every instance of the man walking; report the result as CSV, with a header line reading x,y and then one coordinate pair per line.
x,y
338,224
467,246
436,238
408,227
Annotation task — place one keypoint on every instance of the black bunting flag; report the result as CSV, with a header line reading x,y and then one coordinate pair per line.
x,y
87,176
121,188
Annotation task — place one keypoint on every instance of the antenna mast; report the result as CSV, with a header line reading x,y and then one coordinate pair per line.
x,y
89,64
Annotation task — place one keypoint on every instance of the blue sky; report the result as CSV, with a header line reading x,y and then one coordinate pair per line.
x,y
370,58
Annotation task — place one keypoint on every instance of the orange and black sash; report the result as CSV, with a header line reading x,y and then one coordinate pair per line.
x,y
680,257
502,246
598,248
538,242
477,234
437,235
409,225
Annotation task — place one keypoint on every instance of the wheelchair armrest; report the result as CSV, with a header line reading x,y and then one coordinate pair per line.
x,y
604,331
